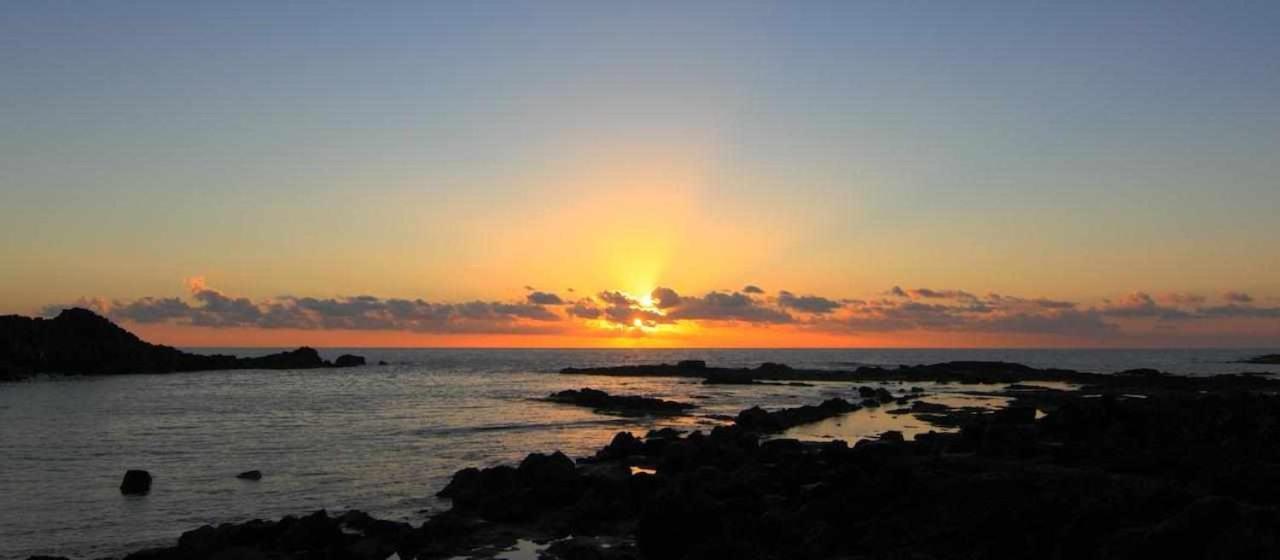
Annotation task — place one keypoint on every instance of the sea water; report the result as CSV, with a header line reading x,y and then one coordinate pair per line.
x,y
383,439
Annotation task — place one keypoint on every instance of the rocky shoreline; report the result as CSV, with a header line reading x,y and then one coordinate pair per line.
x,y
81,342
1136,465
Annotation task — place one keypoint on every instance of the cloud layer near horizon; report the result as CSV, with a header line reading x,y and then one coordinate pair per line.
x,y
539,312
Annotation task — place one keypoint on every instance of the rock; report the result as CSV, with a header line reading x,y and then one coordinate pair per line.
x,y
136,483
1015,415
893,436
349,360
760,420
383,363
691,364
866,392
250,475
1265,358
623,404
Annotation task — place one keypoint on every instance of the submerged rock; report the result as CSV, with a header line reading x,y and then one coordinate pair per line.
x,y
250,475
136,483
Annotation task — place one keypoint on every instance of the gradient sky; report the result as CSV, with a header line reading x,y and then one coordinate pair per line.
x,y
1120,157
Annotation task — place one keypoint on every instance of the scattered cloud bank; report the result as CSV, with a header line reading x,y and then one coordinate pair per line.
x,y
894,310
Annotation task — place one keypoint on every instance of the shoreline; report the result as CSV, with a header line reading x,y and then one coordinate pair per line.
x,y
674,495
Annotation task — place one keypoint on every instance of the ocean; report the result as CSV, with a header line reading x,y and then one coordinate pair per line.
x,y
382,439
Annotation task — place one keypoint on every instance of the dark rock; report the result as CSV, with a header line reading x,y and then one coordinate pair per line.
x,y
383,363
691,364
349,360
760,420
729,379
1264,359
250,475
892,435
136,482
624,404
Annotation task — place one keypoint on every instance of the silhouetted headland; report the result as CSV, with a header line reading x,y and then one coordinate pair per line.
x,y
79,341
1264,359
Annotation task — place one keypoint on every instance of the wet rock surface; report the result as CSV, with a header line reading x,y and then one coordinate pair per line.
x,y
1191,470
622,404
79,341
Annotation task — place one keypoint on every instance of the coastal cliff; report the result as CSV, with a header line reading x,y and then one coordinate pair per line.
x,y
79,341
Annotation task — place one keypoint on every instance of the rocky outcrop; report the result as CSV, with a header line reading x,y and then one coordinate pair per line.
x,y
250,475
628,405
79,341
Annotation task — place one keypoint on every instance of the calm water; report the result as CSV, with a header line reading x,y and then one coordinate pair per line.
x,y
382,438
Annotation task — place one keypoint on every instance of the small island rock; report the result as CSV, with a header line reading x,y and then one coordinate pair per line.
x,y
135,483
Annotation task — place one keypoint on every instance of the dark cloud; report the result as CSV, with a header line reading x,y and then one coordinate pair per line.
x,y
926,293
211,308
1142,305
807,304
1241,311
665,298
1237,297
544,298
752,289
995,313
585,309
727,306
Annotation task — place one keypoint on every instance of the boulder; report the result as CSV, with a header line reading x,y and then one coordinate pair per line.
x,y
250,475
135,483
349,360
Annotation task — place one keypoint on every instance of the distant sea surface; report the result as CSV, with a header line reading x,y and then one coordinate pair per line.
x,y
382,439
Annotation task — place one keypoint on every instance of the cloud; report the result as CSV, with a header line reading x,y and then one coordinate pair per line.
x,y
1237,297
544,298
585,309
1142,305
898,309
211,308
665,298
957,312
807,304
752,289
727,306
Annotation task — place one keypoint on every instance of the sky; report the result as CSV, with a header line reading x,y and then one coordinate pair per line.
x,y
544,173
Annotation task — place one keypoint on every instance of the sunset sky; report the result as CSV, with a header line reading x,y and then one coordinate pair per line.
x,y
668,174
